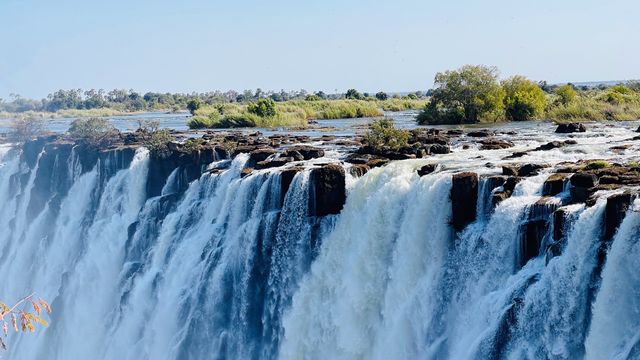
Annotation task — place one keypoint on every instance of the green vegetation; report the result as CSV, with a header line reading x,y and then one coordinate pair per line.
x,y
524,100
96,132
193,105
566,94
597,164
467,95
24,129
471,94
154,138
382,96
382,135
263,108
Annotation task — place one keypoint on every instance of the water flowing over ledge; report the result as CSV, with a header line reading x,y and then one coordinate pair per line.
x,y
196,258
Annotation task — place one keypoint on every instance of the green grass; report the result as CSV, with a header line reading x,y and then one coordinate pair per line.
x,y
597,164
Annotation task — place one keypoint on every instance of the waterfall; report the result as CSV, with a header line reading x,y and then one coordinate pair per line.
x,y
142,262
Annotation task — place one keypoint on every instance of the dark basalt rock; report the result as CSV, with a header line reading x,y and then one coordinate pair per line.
x,y
427,169
246,172
277,162
529,169
553,185
507,189
510,170
358,170
464,199
515,155
329,190
495,144
550,145
638,129
455,132
480,133
307,152
615,210
261,154
190,164
286,177
570,128
439,149
584,180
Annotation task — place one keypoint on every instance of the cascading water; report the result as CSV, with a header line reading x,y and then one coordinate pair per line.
x,y
230,266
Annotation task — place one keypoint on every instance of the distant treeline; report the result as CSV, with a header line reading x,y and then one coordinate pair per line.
x,y
131,101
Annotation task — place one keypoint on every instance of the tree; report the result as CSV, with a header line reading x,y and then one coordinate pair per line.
x,y
382,134
193,105
154,138
353,94
264,107
382,95
468,94
566,94
95,132
24,129
524,99
21,317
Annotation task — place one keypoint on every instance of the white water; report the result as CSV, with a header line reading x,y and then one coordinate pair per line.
x,y
233,269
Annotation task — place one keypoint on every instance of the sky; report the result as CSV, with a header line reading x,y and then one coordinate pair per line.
x,y
328,45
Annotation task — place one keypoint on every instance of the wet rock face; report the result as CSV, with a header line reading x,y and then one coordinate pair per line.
x,y
507,190
615,210
480,133
495,144
358,170
553,185
328,189
529,169
570,128
464,199
286,177
584,180
427,169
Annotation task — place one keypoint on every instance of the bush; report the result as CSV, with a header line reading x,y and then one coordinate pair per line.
x,y
471,91
566,94
97,132
353,94
264,107
524,100
382,96
598,164
24,129
382,134
154,138
193,105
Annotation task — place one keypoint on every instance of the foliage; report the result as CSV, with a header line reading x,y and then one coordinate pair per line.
x,y
468,95
524,100
353,94
566,94
24,129
21,318
597,164
382,95
263,108
154,138
313,97
97,132
382,134
194,144
193,105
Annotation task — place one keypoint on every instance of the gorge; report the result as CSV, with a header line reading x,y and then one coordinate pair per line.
x,y
502,243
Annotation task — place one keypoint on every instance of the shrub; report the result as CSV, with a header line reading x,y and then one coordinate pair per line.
x,y
95,132
524,100
313,97
193,105
353,94
598,164
24,129
154,138
471,91
566,94
382,95
263,107
382,134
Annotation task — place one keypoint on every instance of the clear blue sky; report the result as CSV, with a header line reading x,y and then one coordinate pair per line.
x,y
198,45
